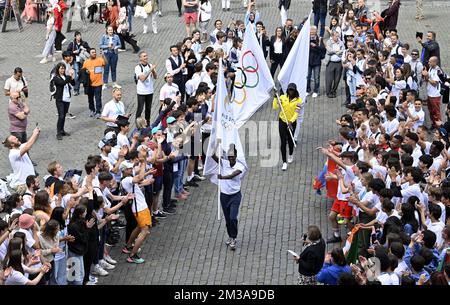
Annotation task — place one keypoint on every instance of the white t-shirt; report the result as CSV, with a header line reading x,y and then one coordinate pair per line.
x,y
421,120
21,165
16,278
437,228
122,140
144,87
231,186
27,203
141,204
168,91
349,175
382,216
431,90
111,110
436,163
391,126
411,190
12,84
388,279
416,154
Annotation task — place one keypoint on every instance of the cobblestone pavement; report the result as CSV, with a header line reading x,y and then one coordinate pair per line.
x,y
189,248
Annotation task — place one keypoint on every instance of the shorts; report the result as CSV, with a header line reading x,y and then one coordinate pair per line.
x,y
341,207
157,185
143,218
192,16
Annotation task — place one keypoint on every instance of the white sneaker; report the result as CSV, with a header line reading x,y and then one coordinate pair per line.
x,y
53,58
290,158
155,31
44,60
315,95
105,86
99,271
109,260
105,265
64,41
308,93
93,279
145,29
284,167
89,283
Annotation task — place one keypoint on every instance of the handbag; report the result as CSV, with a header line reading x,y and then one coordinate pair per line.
x,y
140,12
148,7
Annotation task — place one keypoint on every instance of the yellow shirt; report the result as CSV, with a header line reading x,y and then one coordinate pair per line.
x,y
288,106
95,68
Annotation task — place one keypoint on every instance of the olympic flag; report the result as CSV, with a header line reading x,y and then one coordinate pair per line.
x,y
295,68
253,81
223,128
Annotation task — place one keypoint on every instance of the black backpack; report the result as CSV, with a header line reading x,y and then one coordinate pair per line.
x,y
51,85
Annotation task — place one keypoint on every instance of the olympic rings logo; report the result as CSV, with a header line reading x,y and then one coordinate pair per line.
x,y
243,82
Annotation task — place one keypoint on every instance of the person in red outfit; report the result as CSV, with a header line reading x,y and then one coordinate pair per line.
x,y
59,9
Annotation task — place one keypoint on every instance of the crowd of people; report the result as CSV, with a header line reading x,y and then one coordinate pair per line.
x,y
387,172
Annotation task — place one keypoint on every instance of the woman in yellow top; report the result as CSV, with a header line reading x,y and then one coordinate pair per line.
x,y
291,103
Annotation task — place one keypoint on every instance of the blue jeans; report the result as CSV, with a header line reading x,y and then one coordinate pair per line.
x,y
351,82
316,71
130,15
230,207
320,17
59,274
111,63
97,93
76,269
178,183
76,69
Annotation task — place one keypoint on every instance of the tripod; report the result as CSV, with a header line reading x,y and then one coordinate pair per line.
x,y
6,15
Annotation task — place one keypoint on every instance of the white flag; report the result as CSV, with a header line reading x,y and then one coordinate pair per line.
x,y
253,81
295,68
224,128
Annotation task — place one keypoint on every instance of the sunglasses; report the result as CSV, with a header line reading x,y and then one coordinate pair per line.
x,y
414,54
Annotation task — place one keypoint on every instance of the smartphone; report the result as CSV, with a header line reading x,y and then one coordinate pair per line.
x,y
37,124
419,34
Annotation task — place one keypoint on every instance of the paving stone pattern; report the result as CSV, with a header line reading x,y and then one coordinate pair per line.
x,y
188,247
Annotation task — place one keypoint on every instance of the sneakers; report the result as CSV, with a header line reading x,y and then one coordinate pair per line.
x,y
169,211
308,93
108,259
314,95
201,178
65,134
98,270
59,137
135,259
191,183
70,115
93,279
64,41
158,214
145,29
89,283
290,158
233,244
184,192
119,224
228,242
105,86
181,197
105,265
97,116
44,60
284,167
91,114
122,50
334,239
126,250
155,31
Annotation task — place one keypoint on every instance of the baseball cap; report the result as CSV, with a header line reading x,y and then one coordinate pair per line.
x,y
125,165
167,75
103,142
110,135
155,130
170,120
26,221
66,54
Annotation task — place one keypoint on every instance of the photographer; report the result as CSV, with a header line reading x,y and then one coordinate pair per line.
x,y
312,257
80,50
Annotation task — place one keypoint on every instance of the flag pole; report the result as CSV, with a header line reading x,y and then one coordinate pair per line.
x,y
218,180
285,117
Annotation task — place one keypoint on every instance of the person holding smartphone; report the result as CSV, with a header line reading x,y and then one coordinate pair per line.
x,y
312,257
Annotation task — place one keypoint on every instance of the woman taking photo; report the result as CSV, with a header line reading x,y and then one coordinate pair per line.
x,y
291,104
110,44
63,94
311,259
277,50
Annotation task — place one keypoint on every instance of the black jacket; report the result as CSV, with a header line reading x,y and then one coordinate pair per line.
x,y
320,6
264,43
272,48
430,49
317,53
285,3
60,83
73,46
78,230
311,259
84,79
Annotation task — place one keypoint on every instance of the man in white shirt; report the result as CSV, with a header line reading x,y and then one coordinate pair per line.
x,y
433,90
232,172
16,83
220,43
33,186
18,157
114,108
169,89
145,74
206,76
416,114
436,152
217,28
176,66
122,136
